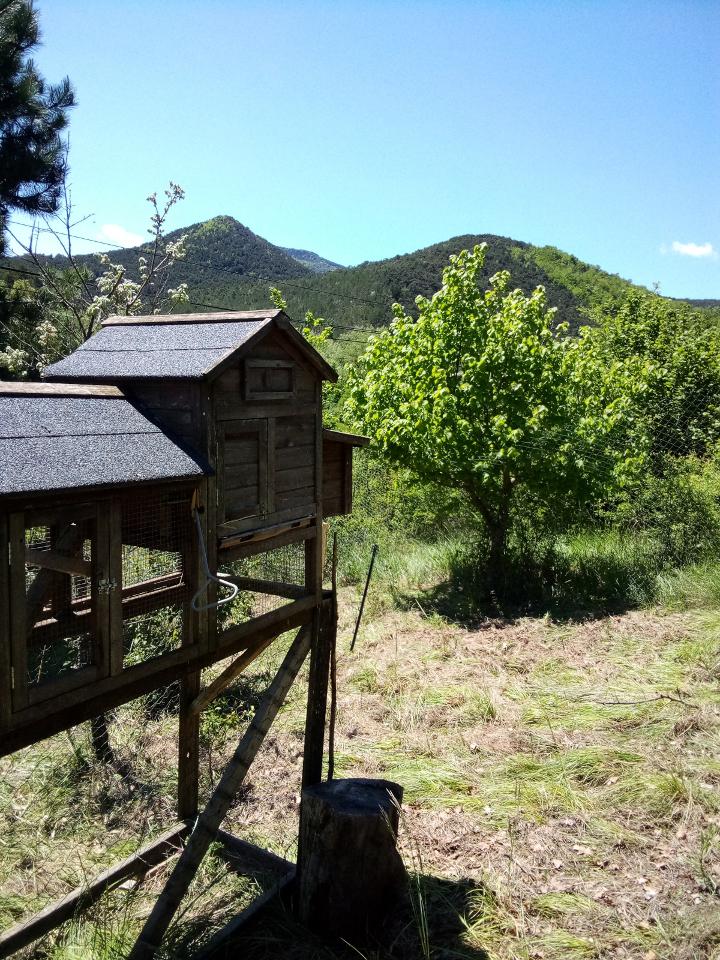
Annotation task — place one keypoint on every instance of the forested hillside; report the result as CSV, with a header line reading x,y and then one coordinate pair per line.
x,y
227,265
312,261
362,295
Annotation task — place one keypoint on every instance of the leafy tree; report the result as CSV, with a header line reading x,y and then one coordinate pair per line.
x,y
675,352
33,114
482,392
69,303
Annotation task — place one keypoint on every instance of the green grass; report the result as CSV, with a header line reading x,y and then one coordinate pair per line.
x,y
562,904
518,729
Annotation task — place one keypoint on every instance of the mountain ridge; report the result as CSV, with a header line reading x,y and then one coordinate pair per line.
x,y
228,266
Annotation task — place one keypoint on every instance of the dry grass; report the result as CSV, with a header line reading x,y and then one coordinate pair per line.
x,y
561,787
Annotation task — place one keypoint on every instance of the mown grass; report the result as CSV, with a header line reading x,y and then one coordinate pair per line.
x,y
521,744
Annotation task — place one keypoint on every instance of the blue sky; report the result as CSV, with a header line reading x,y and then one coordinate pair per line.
x,y
361,130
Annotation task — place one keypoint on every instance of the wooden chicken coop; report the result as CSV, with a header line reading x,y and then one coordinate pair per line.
x,y
163,450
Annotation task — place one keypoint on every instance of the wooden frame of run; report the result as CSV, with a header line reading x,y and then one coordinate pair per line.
x,y
313,613
235,427
314,637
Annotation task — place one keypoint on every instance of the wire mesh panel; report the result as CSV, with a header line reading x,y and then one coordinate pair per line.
x,y
54,600
156,545
283,565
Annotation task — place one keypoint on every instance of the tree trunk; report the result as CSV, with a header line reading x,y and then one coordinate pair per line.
x,y
497,560
350,874
497,524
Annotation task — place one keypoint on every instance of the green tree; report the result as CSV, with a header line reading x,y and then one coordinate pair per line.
x,y
482,393
33,114
675,352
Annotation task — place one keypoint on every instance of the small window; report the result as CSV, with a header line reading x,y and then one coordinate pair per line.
x,y
269,380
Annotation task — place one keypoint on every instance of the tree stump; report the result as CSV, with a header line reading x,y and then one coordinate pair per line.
x,y
350,874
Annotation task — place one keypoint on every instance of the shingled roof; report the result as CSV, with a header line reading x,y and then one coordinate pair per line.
x,y
175,346
57,437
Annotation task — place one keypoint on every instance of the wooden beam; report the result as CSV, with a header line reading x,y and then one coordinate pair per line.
x,y
318,679
80,615
115,599
72,708
188,748
205,697
238,551
18,608
352,439
292,591
250,857
51,560
233,638
70,538
160,849
208,823
5,661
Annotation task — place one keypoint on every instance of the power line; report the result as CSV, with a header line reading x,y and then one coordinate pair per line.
x,y
227,309
26,273
55,233
255,276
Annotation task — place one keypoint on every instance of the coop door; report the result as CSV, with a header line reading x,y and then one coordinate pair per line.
x,y
59,587
242,472
294,492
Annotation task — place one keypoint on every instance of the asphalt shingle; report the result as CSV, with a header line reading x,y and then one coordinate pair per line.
x,y
157,350
52,443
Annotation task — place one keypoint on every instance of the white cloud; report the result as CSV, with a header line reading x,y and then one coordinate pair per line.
x,y
114,233
694,249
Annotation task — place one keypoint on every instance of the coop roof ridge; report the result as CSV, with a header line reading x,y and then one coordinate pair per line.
x,y
163,347
57,388
170,319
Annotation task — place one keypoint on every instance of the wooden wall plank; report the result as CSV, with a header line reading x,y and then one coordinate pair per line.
x,y
5,662
18,618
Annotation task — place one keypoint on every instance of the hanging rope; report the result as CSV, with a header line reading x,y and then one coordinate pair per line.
x,y
210,577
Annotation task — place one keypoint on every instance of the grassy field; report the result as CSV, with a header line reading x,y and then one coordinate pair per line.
x,y
561,784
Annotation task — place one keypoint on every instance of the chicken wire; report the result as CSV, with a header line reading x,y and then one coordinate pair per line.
x,y
59,604
156,542
282,565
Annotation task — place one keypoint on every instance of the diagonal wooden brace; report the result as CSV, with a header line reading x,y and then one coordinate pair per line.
x,y
208,823
229,675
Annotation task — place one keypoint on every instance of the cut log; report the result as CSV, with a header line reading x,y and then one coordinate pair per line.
x,y
350,874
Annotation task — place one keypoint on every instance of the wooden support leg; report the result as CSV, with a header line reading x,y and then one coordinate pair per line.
x,y
208,823
323,625
188,748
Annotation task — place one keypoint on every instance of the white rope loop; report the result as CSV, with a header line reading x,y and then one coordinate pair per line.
x,y
211,577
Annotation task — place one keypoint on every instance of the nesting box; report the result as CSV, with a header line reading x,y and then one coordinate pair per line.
x,y
245,390
103,466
